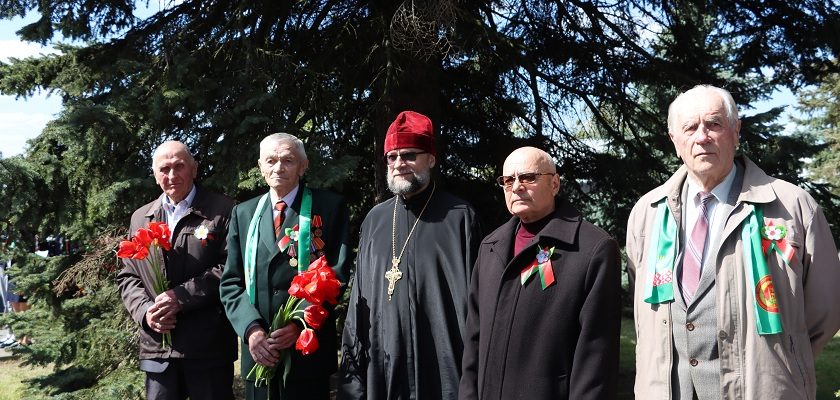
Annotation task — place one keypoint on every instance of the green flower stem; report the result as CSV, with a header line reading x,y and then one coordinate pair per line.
x,y
263,375
160,285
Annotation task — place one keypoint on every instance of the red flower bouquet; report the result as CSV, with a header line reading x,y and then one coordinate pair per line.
x,y
317,285
140,247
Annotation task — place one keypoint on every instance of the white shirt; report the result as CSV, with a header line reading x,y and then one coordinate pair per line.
x,y
692,208
174,212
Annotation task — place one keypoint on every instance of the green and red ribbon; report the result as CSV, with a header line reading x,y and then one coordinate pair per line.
x,y
767,313
758,240
540,266
773,238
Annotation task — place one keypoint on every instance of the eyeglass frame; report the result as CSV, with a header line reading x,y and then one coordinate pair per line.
x,y
500,180
408,156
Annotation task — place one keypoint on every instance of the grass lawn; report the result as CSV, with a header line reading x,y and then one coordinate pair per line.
x,y
12,376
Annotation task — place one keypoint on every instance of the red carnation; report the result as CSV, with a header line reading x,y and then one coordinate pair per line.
x,y
307,343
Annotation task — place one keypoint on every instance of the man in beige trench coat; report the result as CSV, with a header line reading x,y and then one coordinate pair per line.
x,y
735,273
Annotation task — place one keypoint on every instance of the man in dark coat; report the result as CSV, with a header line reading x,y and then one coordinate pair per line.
x,y
199,363
403,334
252,300
544,308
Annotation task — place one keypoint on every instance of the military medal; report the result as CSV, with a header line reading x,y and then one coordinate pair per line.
x,y
394,274
288,243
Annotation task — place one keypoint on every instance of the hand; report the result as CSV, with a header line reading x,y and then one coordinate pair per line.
x,y
284,337
260,350
159,320
168,301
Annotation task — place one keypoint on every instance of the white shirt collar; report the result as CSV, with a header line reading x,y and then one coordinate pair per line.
x,y
721,191
183,204
289,198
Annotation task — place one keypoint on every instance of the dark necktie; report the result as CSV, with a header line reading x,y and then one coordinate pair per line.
x,y
693,259
280,206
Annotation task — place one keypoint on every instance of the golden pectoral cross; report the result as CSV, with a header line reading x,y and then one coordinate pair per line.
x,y
393,275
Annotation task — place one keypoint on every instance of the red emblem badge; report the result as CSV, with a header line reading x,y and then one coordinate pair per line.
x,y
765,295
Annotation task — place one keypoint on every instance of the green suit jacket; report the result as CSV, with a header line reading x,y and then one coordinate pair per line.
x,y
274,275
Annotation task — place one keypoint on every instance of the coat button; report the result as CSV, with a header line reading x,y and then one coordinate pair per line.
x,y
689,326
664,322
722,334
276,292
693,362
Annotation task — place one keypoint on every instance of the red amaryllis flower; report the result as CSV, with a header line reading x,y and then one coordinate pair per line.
x,y
307,343
143,237
139,248
132,249
315,315
160,234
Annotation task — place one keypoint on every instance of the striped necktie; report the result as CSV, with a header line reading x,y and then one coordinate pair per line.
x,y
693,258
280,206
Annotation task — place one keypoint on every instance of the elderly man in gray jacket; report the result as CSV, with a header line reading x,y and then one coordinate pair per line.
x,y
735,272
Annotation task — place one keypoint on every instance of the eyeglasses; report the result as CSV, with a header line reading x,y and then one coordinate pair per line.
x,y
526,178
409,156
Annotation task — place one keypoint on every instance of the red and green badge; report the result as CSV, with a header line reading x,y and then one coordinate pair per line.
x,y
540,266
773,238
291,236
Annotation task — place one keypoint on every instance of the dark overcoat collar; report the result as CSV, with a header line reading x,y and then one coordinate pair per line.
x,y
560,232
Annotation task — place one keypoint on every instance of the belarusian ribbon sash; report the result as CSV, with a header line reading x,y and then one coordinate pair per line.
x,y
659,282
540,266
659,287
253,238
304,227
251,242
767,315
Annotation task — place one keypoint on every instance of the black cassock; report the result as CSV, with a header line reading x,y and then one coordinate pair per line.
x,y
411,346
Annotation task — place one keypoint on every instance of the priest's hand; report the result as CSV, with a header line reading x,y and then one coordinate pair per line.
x,y
284,337
260,349
159,319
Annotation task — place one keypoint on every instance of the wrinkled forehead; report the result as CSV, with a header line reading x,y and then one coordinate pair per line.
x,y
167,157
520,162
703,104
278,148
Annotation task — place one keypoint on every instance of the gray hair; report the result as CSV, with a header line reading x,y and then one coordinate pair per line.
x,y
725,96
282,137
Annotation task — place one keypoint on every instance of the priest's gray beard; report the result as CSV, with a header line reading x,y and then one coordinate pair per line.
x,y
409,186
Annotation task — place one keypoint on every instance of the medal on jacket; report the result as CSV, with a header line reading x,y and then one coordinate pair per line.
x,y
289,242
540,266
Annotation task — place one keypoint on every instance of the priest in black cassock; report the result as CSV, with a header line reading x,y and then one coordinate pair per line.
x,y
405,321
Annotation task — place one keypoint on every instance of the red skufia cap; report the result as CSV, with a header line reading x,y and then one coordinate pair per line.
x,y
410,130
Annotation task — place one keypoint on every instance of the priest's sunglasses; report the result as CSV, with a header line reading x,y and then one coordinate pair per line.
x,y
527,178
409,156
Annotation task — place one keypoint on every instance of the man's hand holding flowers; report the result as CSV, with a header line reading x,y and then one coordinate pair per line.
x,y
162,315
265,350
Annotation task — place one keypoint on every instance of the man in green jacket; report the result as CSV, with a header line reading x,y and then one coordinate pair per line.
x,y
252,295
